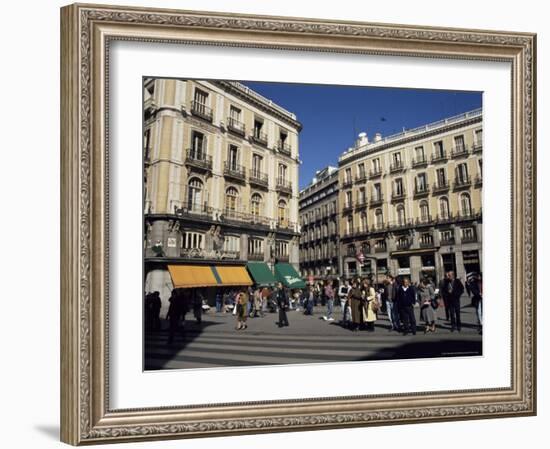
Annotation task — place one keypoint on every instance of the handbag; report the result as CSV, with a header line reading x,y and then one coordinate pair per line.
x,y
375,307
435,303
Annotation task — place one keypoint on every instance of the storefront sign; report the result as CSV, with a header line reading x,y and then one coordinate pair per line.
x,y
402,271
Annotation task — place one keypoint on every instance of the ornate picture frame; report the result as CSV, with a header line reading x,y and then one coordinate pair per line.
x,y
87,32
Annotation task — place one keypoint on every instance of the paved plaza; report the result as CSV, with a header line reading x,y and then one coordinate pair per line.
x,y
308,339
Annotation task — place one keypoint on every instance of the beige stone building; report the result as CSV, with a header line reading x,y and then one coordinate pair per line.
x,y
220,177
411,203
319,241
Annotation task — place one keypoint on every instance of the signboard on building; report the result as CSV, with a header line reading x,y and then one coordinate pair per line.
x,y
403,271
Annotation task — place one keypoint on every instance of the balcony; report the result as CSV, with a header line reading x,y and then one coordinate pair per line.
x,y
469,238
439,157
419,162
421,191
439,187
235,126
477,147
234,171
379,227
284,186
361,177
256,256
376,200
462,183
446,241
230,215
459,151
198,159
426,242
289,226
397,166
347,182
468,215
202,111
258,178
375,172
402,244
259,138
398,196
478,181
380,249
284,148
193,210
424,221
443,219
361,203
347,207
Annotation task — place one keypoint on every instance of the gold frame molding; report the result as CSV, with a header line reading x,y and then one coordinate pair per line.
x,y
86,31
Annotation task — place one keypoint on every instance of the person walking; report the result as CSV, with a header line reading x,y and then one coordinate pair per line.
x,y
475,288
444,293
370,305
242,309
176,312
356,306
389,296
281,297
309,301
455,289
406,299
329,295
426,296
343,291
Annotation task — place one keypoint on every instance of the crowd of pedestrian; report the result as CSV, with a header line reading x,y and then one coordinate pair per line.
x,y
360,301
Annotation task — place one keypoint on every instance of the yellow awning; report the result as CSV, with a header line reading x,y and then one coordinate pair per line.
x,y
233,275
186,276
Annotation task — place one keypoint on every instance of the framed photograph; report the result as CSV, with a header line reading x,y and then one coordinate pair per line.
x,y
276,224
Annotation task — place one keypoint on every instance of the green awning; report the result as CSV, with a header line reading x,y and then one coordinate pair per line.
x,y
288,276
261,273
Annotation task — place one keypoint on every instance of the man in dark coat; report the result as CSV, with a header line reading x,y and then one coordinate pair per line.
x,y
454,292
281,297
444,293
156,305
405,297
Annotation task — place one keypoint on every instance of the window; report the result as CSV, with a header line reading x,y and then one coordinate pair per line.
x,y
348,175
424,211
348,199
232,244
281,248
282,212
377,191
234,116
379,218
233,157
439,152
444,207
201,98
192,240
256,204
361,170
421,182
283,138
231,199
401,219
479,136
480,165
147,144
376,165
465,205
349,225
198,146
447,236
468,234
462,173
258,126
362,195
396,159
282,172
363,221
426,239
419,154
256,165
459,143
441,177
195,195
398,185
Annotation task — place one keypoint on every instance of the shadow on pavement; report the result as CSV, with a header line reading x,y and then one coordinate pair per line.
x,y
158,351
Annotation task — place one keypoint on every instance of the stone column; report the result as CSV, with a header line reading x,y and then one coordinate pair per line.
x,y
244,247
416,266
459,262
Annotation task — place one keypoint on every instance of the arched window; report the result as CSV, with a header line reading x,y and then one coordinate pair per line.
x,y
444,207
424,211
363,221
256,204
379,218
400,210
465,204
282,212
231,199
195,194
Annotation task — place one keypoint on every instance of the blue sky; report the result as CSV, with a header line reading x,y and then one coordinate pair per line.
x,y
332,116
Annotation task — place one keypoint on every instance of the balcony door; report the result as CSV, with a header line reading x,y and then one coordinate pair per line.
x,y
198,145
195,195
233,157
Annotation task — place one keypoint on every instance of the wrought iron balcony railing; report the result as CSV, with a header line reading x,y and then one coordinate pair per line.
x,y
198,159
202,111
236,126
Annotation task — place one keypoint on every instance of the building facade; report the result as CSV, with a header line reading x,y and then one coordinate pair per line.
x,y
220,177
411,204
319,241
